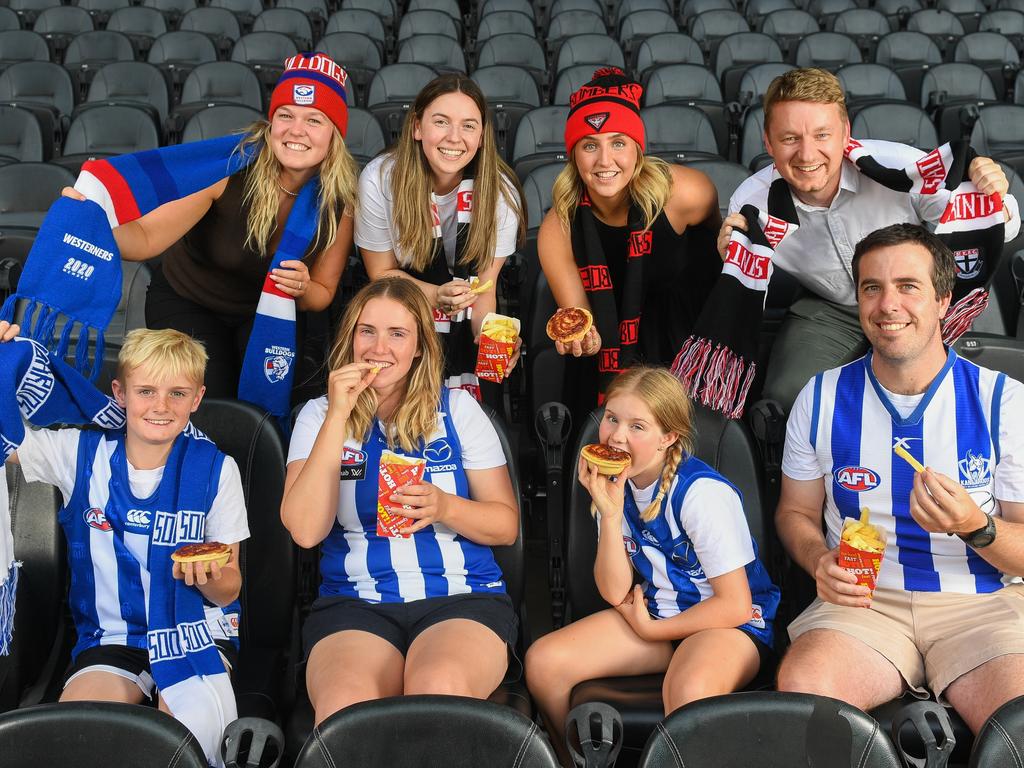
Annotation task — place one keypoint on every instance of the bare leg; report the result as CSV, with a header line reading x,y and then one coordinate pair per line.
x,y
349,667
458,657
980,692
709,663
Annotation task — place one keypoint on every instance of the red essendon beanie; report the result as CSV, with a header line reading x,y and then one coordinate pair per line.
x,y
313,80
609,103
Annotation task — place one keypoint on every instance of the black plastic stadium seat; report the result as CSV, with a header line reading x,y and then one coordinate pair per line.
x,y
289,21
504,23
358,54
107,130
711,27
217,83
514,50
21,137
96,735
770,730
639,25
392,92
788,26
442,53
941,26
27,190
88,52
385,10
213,122
946,88
510,92
865,25
994,53
569,81
58,25
757,10
675,132
738,52
364,138
28,10
725,175
171,10
999,132
826,50
492,6
904,123
218,24
666,48
141,25
864,84
428,22
540,139
427,730
1000,741
755,81
45,89
132,83
9,20
593,49
181,51
245,10
265,52
450,7
100,10
570,23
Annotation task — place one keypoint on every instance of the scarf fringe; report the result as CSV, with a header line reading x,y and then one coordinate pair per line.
x,y
7,598
39,322
961,316
714,375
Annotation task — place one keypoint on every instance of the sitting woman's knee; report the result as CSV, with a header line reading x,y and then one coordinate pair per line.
x,y
547,664
676,692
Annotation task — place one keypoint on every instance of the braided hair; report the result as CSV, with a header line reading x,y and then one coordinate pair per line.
x,y
663,393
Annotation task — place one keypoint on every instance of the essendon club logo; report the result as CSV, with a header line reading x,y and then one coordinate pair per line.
x,y
970,205
932,170
753,265
596,120
596,278
608,360
774,230
639,244
629,331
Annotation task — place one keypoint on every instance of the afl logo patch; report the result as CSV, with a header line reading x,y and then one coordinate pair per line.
x,y
353,464
856,479
303,94
631,547
97,519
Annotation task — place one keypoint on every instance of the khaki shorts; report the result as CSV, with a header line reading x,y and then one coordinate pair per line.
x,y
930,637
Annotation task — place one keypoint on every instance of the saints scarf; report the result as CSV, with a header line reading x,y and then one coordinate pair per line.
x,y
618,328
717,363
43,390
74,270
456,331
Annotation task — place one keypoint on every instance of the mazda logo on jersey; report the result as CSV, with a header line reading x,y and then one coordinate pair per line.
x,y
97,519
353,464
856,479
438,451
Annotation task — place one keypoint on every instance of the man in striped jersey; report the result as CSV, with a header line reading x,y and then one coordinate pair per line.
x,y
948,610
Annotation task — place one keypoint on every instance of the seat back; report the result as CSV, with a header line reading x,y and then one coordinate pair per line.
x,y
213,122
42,82
289,21
111,130
223,81
182,49
441,52
1001,739
666,48
453,731
364,137
22,45
504,23
681,82
218,23
93,734
592,49
93,49
674,131
27,190
903,123
428,22
725,175
755,81
540,139
1000,132
569,81
956,81
134,82
772,730
1000,353
870,82
827,50
516,50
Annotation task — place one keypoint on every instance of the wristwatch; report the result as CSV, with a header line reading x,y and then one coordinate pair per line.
x,y
981,537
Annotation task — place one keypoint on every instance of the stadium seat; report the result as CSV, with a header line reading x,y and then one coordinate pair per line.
x,y
751,151
289,21
245,11
570,23
1015,5
941,26
385,10
171,10
8,19
218,24
22,45
968,11
28,10
213,122
1008,23
825,11
770,730
994,53
105,131
450,7
252,438
1000,740
866,84
89,52
94,734
21,137
361,22
265,53
540,139
537,193
725,175
100,10
622,8
392,91
59,24
504,23
440,52
866,26
134,84
428,23
216,83
570,80
756,10
711,27
693,86
515,50
946,88
359,55
45,89
435,730
728,447
492,6
909,55
364,138
826,50
181,51
140,25
999,133
688,9
562,6
788,26
676,132
511,93
591,49
755,81
738,52
639,25
903,123
666,48
314,10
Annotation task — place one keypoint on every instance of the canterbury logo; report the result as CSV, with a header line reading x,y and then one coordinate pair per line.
x,y
137,517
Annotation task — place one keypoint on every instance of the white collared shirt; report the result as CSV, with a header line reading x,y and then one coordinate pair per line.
x,y
820,253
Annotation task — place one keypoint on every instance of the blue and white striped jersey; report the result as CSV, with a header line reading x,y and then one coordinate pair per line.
x,y
843,429
434,562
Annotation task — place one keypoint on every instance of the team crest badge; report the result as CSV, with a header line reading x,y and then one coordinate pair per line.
x,y
303,94
596,120
275,368
968,263
975,470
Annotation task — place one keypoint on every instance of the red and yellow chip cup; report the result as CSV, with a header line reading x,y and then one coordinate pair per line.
x,y
498,335
861,548
395,471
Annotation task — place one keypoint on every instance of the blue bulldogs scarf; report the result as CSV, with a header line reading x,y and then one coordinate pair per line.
x,y
74,271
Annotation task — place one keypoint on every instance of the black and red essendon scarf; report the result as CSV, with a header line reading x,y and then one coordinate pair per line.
x,y
717,363
619,330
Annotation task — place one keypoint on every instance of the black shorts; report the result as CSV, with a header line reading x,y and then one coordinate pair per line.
x,y
133,663
401,623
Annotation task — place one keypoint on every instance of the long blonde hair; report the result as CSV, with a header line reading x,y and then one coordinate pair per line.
x,y
412,184
416,416
649,188
338,188
663,393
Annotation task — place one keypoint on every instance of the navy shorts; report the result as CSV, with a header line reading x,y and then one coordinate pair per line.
x,y
401,623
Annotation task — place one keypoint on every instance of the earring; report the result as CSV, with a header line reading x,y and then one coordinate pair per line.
x,y
662,448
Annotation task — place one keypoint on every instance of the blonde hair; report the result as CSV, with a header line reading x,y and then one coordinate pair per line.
x,y
167,353
649,188
664,395
338,188
416,415
807,84
412,184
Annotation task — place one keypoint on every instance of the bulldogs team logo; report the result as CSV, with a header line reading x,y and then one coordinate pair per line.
x,y
275,368
969,263
975,470
630,544
596,120
856,479
303,94
95,518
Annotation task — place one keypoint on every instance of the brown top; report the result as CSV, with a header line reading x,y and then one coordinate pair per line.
x,y
212,266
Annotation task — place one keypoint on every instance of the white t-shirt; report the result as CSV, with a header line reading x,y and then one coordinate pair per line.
x,y
375,224
50,456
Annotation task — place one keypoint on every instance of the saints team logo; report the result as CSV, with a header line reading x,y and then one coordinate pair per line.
x,y
975,470
275,368
303,94
968,263
96,518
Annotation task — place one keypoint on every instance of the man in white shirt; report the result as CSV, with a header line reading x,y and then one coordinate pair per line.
x,y
806,133
947,612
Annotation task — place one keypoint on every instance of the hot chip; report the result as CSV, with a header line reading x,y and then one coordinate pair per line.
x,y
475,286
498,335
904,454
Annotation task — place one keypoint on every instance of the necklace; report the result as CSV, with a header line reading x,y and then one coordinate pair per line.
x,y
287,192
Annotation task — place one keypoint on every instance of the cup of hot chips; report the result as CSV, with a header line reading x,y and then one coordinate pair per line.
x,y
498,335
861,547
395,471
